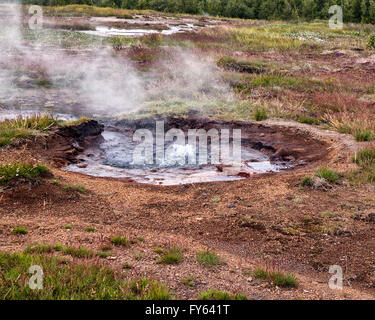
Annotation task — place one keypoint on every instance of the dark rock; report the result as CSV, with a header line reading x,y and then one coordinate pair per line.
x,y
371,217
254,225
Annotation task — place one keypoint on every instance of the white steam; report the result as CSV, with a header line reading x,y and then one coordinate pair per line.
x,y
96,81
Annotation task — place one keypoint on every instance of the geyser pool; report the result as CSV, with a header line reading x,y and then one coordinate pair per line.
x,y
114,158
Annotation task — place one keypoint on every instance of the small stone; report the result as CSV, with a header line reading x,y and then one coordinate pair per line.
x,y
371,217
230,205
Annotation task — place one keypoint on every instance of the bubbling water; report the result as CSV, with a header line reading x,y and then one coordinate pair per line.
x,y
114,158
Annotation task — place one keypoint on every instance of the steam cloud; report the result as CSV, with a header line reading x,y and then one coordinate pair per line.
x,y
97,81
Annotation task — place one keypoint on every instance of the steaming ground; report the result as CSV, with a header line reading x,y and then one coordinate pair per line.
x,y
97,82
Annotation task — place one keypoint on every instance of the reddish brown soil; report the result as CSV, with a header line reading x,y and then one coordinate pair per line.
x,y
266,220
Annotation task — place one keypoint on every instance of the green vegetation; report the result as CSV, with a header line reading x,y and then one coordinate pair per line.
x,y
189,281
328,174
307,119
9,172
72,187
365,159
90,229
307,181
24,127
117,42
40,248
56,182
103,254
121,241
355,10
82,8
68,227
78,252
229,63
277,278
158,250
208,258
75,122
127,266
364,135
171,256
86,281
371,42
220,295
19,231
260,114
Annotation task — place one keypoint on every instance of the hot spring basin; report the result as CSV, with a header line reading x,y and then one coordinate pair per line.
x,y
263,149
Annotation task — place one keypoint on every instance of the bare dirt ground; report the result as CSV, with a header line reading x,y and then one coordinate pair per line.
x,y
259,221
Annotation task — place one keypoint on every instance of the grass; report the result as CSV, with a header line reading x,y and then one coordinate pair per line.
x,y
86,281
229,63
86,10
171,256
90,229
328,174
158,250
12,171
220,295
277,278
208,258
307,181
75,122
364,135
121,241
365,159
103,254
106,247
73,187
24,127
371,42
189,281
260,114
78,252
40,248
138,256
307,120
19,231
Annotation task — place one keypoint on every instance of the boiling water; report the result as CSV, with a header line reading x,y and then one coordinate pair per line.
x,y
114,158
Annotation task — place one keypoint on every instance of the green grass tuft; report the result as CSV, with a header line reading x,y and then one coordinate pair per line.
x,y
19,231
285,280
307,181
78,252
171,256
86,281
260,114
13,171
328,174
208,258
24,127
71,187
220,295
121,241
